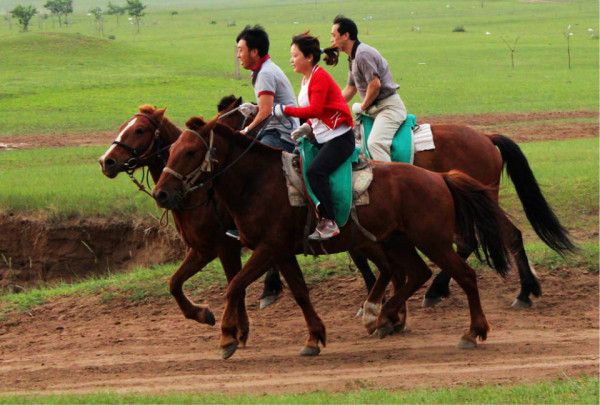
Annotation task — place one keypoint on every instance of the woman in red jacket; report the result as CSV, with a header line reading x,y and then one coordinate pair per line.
x,y
321,103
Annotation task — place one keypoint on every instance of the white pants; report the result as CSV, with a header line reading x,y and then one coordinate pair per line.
x,y
388,114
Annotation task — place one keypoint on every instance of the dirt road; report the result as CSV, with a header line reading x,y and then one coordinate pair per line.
x,y
82,345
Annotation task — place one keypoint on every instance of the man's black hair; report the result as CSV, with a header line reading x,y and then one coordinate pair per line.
x,y
256,38
346,25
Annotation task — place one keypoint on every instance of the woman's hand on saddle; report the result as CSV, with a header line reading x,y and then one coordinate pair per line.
x,y
303,130
248,109
278,111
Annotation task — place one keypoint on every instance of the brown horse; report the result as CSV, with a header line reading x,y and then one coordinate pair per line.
x,y
410,208
144,141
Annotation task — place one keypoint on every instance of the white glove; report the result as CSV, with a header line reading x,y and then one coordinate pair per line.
x,y
278,111
248,109
303,130
244,131
356,108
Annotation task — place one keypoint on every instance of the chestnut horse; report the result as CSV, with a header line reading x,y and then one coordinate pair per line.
x,y
410,208
144,141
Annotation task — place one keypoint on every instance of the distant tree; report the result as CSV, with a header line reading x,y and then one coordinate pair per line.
x,y
135,9
113,9
99,19
174,13
61,9
23,15
512,48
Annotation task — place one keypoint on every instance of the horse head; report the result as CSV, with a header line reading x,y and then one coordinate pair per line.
x,y
139,141
189,160
229,114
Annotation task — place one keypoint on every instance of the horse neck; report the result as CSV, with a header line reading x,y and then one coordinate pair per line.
x,y
168,134
235,184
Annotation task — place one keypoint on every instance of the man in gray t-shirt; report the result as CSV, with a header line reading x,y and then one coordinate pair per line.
x,y
369,74
271,86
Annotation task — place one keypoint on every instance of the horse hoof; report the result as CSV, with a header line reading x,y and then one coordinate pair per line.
x,y
384,331
467,343
268,300
209,318
359,313
520,304
228,350
399,328
310,351
431,302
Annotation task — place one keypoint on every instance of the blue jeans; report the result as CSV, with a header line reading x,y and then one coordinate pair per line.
x,y
272,137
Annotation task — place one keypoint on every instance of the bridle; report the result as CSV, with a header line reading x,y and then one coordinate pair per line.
x,y
189,180
142,155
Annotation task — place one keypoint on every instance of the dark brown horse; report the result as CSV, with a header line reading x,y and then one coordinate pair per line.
x,y
410,208
483,157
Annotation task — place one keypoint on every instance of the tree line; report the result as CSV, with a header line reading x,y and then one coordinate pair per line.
x,y
62,9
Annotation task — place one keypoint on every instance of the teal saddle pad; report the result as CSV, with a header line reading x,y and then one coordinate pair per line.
x,y
402,145
340,180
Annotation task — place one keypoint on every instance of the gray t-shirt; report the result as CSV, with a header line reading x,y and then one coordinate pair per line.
x,y
366,63
271,80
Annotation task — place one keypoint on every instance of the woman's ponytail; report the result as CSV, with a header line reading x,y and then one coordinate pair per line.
x,y
331,56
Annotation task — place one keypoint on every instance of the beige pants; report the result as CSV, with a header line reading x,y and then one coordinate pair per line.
x,y
389,114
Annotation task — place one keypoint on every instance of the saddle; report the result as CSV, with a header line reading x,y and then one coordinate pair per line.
x,y
408,140
349,183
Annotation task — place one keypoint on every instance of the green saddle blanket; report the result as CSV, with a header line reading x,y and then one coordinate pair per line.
x,y
402,145
340,180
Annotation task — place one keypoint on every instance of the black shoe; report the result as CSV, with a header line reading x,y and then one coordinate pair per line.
x,y
233,233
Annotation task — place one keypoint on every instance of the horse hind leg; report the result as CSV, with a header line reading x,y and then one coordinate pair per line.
x,y
406,264
449,261
440,286
272,288
530,284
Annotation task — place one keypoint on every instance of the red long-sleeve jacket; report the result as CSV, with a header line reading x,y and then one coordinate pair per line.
x,y
326,102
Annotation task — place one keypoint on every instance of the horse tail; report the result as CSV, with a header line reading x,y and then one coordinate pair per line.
x,y
478,219
538,211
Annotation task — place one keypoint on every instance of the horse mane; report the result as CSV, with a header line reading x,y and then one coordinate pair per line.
x,y
242,140
228,102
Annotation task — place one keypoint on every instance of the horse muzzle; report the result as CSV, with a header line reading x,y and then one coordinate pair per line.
x,y
167,199
110,167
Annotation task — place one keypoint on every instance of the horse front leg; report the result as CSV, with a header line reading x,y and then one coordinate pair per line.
x,y
316,329
193,262
236,292
230,255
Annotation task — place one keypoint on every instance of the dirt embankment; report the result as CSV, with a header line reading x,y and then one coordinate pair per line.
x,y
34,249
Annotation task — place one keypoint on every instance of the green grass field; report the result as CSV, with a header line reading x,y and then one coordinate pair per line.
x,y
57,80
582,390
68,181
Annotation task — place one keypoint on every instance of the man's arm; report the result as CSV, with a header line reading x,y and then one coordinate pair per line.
x,y
265,107
372,93
349,92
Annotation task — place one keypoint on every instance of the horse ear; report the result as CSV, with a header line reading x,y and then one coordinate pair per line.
x,y
160,112
195,123
238,102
